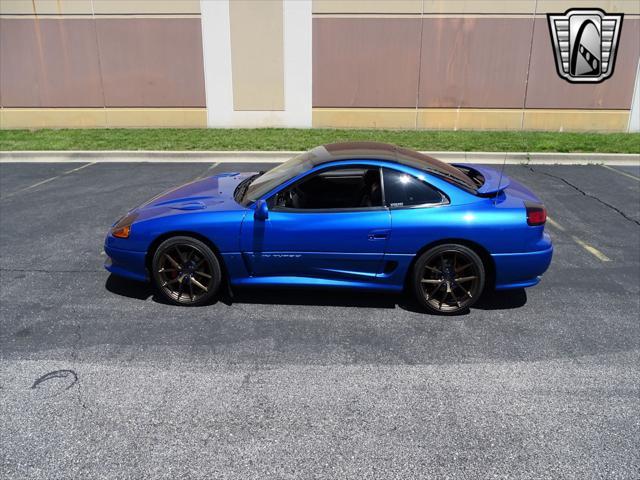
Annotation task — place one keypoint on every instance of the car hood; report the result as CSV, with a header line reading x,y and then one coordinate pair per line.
x,y
213,193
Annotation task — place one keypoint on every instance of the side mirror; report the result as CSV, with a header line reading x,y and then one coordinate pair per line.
x,y
262,210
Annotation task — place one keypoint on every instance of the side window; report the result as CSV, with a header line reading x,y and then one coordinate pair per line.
x,y
404,190
336,188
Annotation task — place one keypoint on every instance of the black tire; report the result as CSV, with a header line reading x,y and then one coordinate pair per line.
x,y
448,279
186,272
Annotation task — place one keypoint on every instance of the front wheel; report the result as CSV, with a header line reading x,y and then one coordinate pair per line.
x,y
448,279
185,271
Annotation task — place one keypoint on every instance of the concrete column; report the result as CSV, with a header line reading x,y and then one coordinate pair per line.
x,y
257,74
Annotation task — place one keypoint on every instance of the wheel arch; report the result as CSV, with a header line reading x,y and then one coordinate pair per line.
x,y
483,253
153,246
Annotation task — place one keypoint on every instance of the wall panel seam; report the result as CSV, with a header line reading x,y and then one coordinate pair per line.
x,y
526,78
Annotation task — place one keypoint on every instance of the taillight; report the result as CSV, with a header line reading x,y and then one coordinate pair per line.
x,y
536,213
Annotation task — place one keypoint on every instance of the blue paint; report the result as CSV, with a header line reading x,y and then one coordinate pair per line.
x,y
360,248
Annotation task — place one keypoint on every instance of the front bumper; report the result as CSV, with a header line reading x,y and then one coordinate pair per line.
x,y
126,263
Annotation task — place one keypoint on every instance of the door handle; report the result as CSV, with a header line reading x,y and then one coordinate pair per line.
x,y
378,235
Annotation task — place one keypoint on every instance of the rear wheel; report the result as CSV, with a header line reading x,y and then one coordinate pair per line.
x,y
448,279
186,271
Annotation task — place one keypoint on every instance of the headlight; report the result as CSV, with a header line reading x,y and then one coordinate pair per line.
x,y
122,229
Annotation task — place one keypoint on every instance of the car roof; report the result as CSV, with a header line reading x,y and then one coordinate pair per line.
x,y
384,151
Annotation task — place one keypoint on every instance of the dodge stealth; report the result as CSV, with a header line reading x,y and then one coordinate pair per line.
x,y
356,215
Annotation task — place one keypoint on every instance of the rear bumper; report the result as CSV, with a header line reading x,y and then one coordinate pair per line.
x,y
126,263
519,270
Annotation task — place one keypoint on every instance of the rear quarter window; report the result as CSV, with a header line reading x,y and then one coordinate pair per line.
x,y
404,190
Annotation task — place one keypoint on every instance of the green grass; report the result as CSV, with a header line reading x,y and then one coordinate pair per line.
x,y
298,139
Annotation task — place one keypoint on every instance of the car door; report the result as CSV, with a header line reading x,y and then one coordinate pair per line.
x,y
334,233
415,212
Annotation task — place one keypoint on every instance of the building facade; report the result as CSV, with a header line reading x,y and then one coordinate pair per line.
x,y
398,64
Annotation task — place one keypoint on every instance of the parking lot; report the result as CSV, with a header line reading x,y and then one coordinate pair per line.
x,y
100,380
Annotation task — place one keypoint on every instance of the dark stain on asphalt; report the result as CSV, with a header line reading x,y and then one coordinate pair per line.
x,y
57,374
23,333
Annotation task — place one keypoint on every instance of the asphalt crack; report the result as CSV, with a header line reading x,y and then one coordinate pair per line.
x,y
74,359
578,189
246,380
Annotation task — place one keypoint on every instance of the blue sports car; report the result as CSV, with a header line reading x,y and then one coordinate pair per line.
x,y
359,215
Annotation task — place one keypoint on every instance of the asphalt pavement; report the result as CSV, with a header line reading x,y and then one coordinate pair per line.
x,y
98,379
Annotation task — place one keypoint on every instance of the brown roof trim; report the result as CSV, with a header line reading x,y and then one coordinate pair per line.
x,y
386,151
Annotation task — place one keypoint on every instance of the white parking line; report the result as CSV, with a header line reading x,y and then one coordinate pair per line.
x,y
79,168
592,250
47,180
555,224
206,172
629,175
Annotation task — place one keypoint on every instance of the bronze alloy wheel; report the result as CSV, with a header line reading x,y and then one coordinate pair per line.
x,y
185,271
449,278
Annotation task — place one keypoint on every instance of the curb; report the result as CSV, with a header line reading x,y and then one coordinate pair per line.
x,y
123,156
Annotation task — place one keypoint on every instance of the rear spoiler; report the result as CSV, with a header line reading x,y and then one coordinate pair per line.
x,y
494,181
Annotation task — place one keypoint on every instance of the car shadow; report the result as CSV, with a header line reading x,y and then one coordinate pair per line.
x,y
490,300
129,288
502,299
498,300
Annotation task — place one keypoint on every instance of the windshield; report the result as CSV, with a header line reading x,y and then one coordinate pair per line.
x,y
274,177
